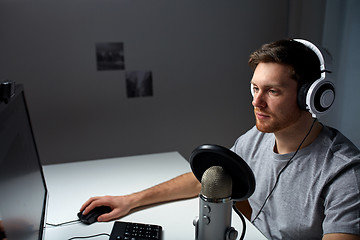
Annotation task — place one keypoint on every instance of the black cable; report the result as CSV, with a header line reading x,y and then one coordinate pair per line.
x,y
75,221
242,221
60,224
91,236
282,170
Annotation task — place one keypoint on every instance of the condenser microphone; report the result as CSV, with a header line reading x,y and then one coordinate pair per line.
x,y
215,206
225,177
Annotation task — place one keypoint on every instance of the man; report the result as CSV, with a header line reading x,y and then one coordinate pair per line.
x,y
307,174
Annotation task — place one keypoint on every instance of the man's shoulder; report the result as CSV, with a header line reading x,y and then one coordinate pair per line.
x,y
337,152
339,144
253,133
252,139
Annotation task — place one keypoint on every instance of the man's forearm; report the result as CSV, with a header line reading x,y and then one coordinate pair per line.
x,y
181,187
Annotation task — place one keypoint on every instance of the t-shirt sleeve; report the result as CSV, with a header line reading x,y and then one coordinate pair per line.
x,y
342,202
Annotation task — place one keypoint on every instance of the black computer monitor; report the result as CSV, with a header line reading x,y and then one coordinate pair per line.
x,y
23,192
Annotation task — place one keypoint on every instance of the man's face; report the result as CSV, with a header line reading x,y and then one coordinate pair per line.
x,y
274,101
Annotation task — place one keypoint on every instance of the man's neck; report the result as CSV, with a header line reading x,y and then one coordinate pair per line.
x,y
288,140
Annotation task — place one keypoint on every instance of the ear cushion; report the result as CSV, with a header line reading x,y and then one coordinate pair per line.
x,y
301,96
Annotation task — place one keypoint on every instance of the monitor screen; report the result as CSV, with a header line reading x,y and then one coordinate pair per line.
x,y
23,192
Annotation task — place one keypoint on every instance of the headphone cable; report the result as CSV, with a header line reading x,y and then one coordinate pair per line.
x,y
282,170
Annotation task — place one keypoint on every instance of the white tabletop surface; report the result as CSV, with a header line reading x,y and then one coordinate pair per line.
x,y
71,184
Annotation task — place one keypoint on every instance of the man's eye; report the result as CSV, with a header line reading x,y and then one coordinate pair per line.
x,y
272,91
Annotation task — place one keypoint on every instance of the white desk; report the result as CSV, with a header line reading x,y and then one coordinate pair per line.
x,y
71,184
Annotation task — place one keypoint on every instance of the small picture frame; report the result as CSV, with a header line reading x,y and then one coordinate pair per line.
x,y
110,56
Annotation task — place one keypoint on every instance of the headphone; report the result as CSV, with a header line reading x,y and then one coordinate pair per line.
x,y
318,96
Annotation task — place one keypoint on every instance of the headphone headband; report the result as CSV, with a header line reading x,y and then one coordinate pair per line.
x,y
318,96
323,55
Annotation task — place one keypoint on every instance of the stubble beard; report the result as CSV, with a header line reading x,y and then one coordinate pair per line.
x,y
274,124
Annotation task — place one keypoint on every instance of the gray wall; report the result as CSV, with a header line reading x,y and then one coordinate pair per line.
x,y
335,24
196,50
342,37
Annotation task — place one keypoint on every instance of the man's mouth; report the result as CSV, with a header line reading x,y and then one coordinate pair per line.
x,y
260,115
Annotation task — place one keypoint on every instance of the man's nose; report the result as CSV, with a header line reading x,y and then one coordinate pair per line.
x,y
258,100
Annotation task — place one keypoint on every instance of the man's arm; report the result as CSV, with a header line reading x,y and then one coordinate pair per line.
x,y
181,187
342,236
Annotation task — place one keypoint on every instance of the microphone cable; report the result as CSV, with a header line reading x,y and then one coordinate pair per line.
x,y
282,170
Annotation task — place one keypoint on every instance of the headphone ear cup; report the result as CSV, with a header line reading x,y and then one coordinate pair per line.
x,y
301,96
320,97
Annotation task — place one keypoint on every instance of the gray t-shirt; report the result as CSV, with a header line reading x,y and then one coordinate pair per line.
x,y
318,193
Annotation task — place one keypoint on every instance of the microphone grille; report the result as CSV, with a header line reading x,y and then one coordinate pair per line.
x,y
216,183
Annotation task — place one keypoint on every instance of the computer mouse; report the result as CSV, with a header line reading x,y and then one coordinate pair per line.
x,y
92,216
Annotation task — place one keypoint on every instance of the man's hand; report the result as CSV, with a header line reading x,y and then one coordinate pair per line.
x,y
180,187
120,205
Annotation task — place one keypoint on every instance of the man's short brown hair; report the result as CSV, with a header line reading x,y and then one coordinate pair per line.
x,y
303,60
